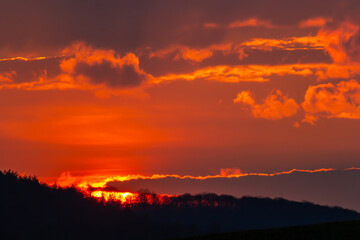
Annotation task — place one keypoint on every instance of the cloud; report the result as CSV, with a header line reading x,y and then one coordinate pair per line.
x,y
239,73
104,70
252,22
293,43
103,66
332,101
6,77
342,43
323,186
198,54
275,106
194,55
226,172
186,53
21,70
79,66
159,24
101,181
314,22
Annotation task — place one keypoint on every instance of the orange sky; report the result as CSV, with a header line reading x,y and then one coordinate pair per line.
x,y
121,88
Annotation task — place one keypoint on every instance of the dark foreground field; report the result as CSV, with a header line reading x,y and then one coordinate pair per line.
x,y
32,210
347,230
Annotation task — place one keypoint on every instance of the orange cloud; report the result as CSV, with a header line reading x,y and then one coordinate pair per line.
x,y
240,73
340,42
230,172
252,22
332,101
275,106
85,68
307,42
314,22
41,83
6,77
217,73
198,55
106,73
193,54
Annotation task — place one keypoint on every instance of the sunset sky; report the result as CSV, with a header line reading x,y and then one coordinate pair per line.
x,y
95,89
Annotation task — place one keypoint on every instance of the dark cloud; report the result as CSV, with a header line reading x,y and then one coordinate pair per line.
x,y
155,65
30,70
352,47
125,25
329,188
81,67
274,57
104,72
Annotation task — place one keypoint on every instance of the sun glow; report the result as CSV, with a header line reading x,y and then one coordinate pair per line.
x,y
95,187
100,181
123,197
130,198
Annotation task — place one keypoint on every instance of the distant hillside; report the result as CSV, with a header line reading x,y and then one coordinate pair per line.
x,y
29,209
210,212
349,230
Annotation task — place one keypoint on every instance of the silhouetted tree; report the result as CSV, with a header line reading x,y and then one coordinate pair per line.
x,y
30,209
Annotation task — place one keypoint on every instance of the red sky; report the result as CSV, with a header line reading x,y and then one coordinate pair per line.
x,y
112,88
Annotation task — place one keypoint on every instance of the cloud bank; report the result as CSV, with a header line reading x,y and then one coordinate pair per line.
x,y
334,187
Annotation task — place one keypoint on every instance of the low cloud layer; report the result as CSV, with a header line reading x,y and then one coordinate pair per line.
x,y
331,188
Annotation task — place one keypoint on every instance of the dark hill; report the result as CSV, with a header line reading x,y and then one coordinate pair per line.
x,y
31,210
348,230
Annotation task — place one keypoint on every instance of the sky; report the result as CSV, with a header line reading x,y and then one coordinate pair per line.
x,y
91,90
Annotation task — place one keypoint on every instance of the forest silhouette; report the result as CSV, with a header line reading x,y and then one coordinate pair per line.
x,y
30,209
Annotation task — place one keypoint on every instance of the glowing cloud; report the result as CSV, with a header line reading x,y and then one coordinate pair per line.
x,y
230,172
123,197
341,43
194,55
314,22
332,101
198,54
275,106
6,77
294,43
240,73
252,22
